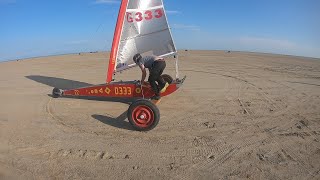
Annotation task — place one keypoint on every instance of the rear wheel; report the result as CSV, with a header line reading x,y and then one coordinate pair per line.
x,y
167,78
143,115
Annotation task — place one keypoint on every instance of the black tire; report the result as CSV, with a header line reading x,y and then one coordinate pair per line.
x,y
143,115
167,78
56,92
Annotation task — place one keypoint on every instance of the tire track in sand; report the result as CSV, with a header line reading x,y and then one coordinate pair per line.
x,y
229,152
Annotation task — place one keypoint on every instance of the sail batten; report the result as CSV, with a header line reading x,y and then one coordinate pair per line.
x,y
151,8
141,35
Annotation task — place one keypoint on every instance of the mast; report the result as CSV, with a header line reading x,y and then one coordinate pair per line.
x,y
116,40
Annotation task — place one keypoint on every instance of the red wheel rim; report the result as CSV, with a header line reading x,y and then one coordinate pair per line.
x,y
142,116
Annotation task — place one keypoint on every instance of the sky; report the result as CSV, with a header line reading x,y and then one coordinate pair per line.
x,y
32,28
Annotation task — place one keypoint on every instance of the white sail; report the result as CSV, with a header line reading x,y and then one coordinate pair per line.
x,y
144,30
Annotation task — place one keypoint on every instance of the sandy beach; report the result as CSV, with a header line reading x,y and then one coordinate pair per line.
x,y
238,116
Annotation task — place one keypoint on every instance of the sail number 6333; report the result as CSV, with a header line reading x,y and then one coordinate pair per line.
x,y
147,15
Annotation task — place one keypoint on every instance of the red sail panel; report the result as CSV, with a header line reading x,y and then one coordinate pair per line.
x,y
116,40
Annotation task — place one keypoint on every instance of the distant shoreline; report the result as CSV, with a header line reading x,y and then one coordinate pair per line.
x,y
52,55
227,51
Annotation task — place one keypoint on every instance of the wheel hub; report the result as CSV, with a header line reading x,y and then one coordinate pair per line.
x,y
143,116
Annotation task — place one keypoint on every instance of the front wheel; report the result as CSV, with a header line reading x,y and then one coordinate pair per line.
x,y
143,115
56,92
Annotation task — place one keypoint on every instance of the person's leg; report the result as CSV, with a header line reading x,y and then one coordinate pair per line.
x,y
161,82
155,76
152,80
161,66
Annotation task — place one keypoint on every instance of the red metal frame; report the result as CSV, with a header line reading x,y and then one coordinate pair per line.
x,y
121,90
116,40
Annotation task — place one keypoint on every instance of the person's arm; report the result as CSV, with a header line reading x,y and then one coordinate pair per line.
x,y
144,73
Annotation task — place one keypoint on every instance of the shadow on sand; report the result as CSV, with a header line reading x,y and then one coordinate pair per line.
x,y
118,122
58,82
70,84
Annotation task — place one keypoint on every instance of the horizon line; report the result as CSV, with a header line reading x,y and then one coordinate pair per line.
x,y
91,52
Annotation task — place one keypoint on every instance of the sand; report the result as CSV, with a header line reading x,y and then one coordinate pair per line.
x,y
237,116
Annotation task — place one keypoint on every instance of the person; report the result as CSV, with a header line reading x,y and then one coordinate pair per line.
x,y
156,65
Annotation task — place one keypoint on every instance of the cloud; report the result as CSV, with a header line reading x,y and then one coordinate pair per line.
x,y
107,2
267,42
7,2
207,41
186,27
173,12
278,46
